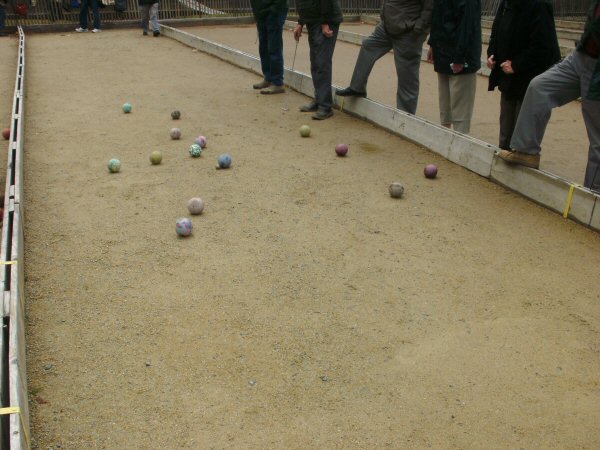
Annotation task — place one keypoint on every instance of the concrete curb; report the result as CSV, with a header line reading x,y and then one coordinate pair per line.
x,y
542,187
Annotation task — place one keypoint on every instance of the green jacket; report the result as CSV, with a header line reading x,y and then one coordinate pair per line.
x,y
319,12
260,8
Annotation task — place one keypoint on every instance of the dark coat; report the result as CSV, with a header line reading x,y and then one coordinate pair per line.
x,y
532,46
456,35
592,28
261,8
319,12
402,16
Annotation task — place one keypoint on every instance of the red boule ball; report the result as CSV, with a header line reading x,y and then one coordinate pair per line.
x,y
6,133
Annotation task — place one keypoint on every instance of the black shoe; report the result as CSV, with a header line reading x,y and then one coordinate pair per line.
x,y
349,92
156,33
322,114
311,107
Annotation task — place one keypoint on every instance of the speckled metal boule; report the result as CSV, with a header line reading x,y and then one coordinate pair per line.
x,y
195,150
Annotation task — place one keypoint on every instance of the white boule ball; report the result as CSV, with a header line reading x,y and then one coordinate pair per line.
x,y
196,205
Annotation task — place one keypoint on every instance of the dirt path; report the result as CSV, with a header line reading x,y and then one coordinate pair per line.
x,y
308,309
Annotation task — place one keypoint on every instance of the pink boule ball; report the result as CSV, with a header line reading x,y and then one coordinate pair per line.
x,y
341,149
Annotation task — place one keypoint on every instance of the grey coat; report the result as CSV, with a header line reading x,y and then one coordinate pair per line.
x,y
401,16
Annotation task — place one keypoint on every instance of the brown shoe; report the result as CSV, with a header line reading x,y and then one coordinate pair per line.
x,y
263,84
522,159
273,89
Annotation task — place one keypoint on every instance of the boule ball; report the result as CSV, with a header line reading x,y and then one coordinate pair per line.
x,y
396,190
195,151
224,161
430,171
305,131
201,141
6,133
127,108
184,226
114,165
175,133
155,157
341,149
196,205
175,115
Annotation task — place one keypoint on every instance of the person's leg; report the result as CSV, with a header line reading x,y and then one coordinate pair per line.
x,y
590,110
154,18
509,111
462,100
371,49
96,12
145,17
263,52
83,14
557,86
275,46
444,99
322,65
407,58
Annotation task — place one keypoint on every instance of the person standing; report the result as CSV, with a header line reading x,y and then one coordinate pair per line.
x,y
83,16
149,12
523,44
322,20
578,75
403,27
455,51
270,16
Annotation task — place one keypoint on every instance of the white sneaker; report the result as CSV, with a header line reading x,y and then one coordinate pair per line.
x,y
81,30
96,30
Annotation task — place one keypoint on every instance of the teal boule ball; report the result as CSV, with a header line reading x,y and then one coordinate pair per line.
x,y
127,108
195,150
114,165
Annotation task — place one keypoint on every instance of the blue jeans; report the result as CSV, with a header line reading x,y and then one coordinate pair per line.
x,y
83,14
270,46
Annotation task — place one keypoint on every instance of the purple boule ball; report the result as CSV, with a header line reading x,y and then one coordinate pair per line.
x,y
430,171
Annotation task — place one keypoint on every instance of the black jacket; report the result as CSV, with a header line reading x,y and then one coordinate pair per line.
x,y
529,41
456,35
319,12
261,8
592,28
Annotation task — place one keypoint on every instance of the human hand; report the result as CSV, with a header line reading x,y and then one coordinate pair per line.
x,y
491,62
507,67
430,55
298,32
457,68
327,31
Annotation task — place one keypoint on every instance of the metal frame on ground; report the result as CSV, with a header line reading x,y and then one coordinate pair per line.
x,y
14,410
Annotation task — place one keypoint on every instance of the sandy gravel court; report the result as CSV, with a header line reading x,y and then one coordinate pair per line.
x,y
308,309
